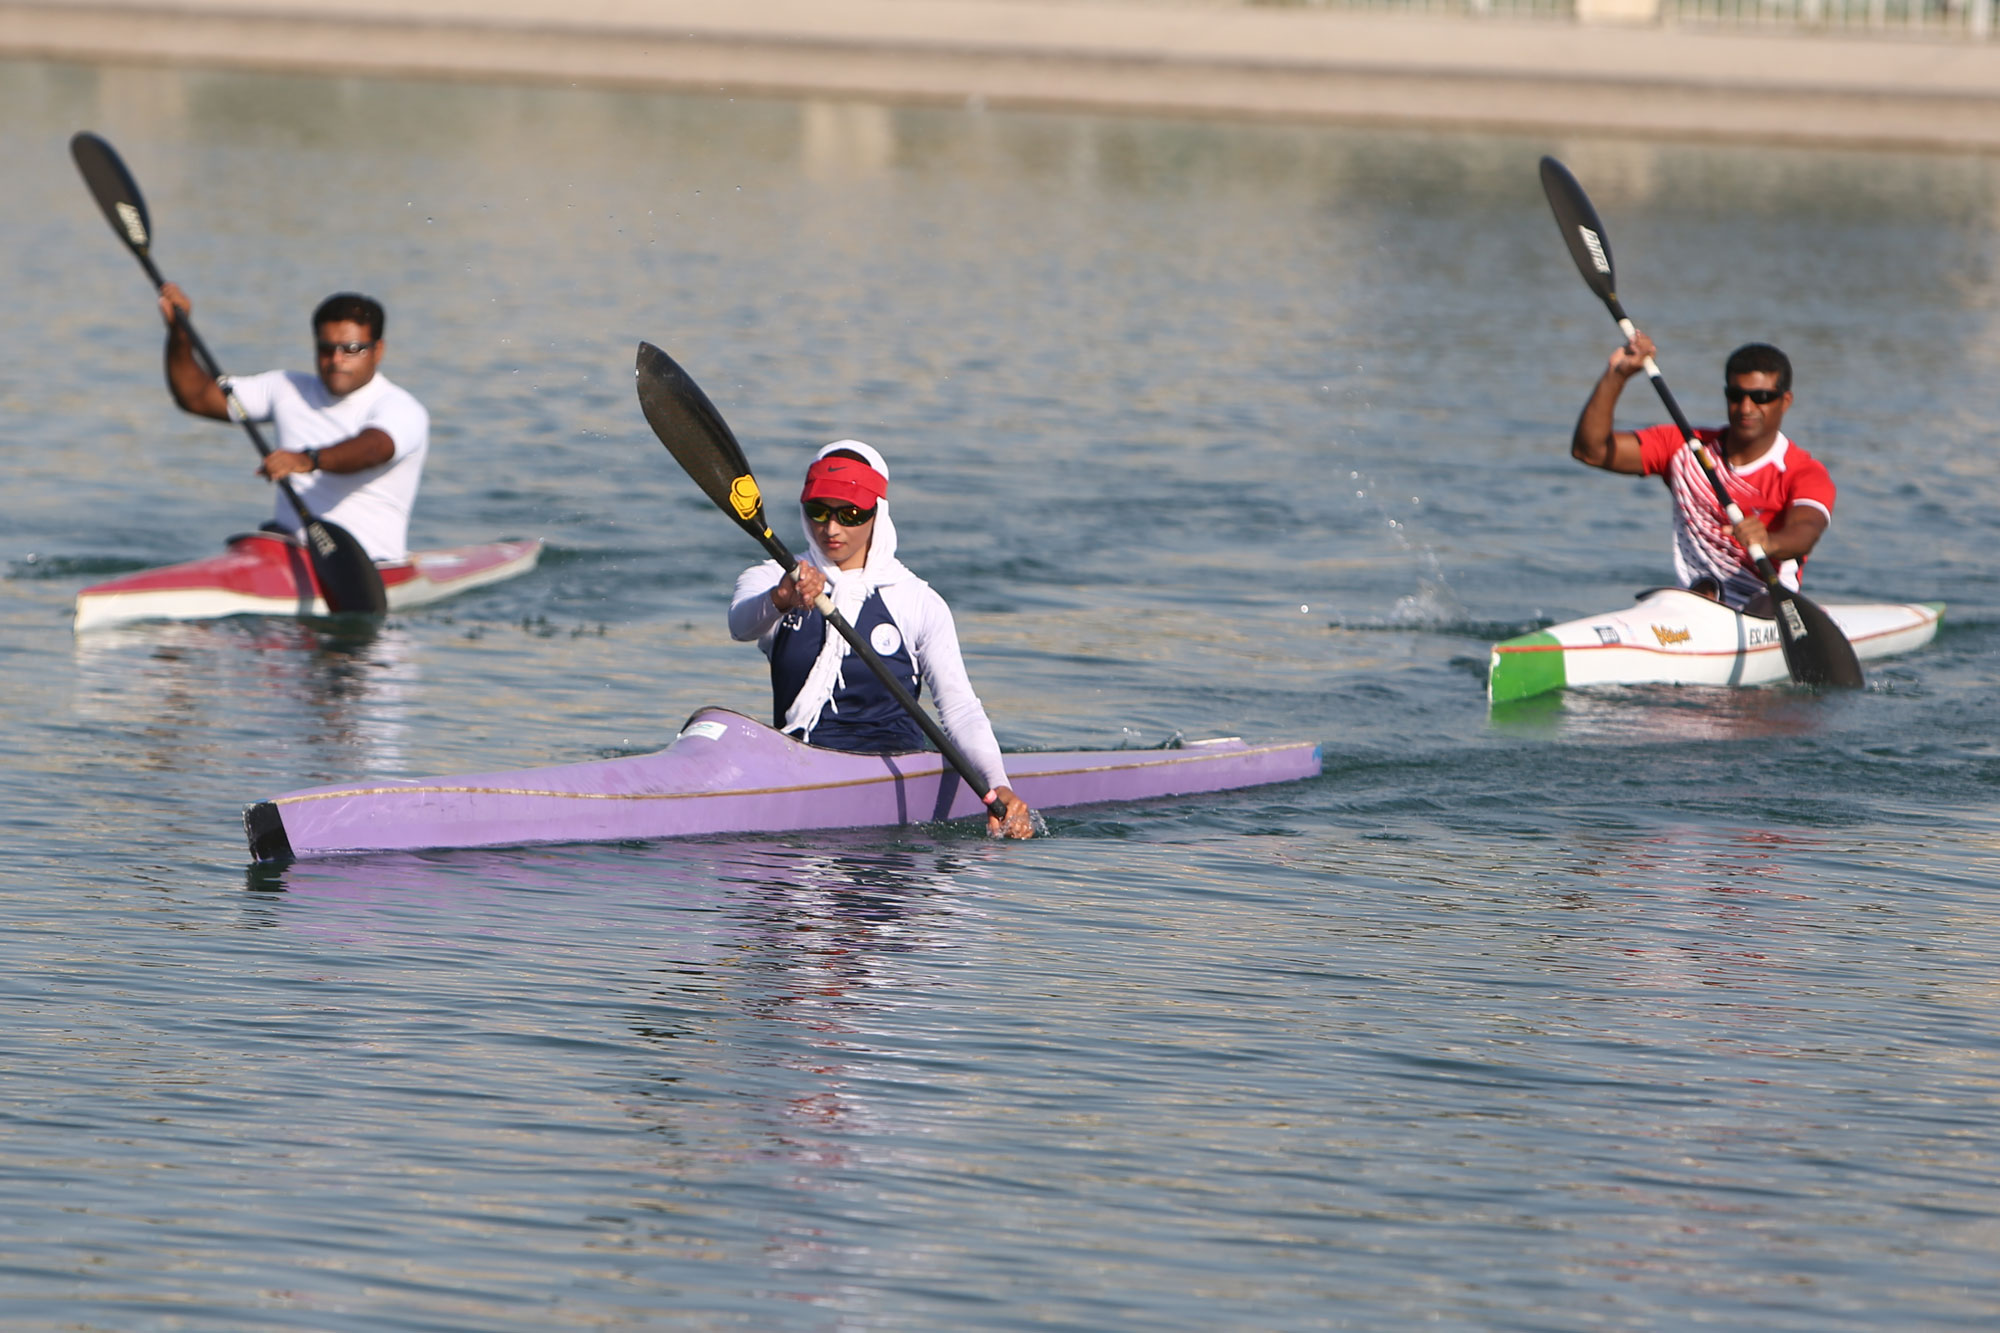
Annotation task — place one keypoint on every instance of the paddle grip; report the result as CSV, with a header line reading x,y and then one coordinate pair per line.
x,y
1765,568
945,744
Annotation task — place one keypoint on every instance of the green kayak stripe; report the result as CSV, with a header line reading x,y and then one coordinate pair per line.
x,y
1529,665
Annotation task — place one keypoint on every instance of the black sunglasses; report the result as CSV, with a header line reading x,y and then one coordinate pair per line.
x,y
1736,393
348,349
848,516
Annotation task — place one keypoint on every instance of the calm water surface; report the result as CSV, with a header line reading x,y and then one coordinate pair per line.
x,y
1643,1009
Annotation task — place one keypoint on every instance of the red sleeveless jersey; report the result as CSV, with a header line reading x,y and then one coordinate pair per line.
x,y
1768,488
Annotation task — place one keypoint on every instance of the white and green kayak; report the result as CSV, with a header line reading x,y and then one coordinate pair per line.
x,y
1674,637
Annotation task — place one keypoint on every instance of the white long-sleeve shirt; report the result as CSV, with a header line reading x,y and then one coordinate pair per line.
x,y
928,632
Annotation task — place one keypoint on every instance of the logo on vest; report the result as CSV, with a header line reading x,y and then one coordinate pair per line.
x,y
884,639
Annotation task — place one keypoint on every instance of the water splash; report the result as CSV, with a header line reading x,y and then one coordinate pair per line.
x,y
34,566
1434,604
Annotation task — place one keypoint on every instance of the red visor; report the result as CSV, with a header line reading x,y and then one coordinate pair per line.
x,y
847,480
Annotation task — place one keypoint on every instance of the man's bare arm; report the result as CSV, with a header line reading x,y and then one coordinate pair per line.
x,y
368,449
1595,441
193,388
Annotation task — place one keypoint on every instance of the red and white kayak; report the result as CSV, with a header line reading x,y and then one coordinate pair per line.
x,y
268,574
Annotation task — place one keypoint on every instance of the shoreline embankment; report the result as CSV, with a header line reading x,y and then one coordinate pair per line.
x,y
1175,57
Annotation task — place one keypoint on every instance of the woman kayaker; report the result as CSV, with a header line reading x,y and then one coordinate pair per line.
x,y
818,694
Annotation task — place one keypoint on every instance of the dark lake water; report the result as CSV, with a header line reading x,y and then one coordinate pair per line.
x,y
1637,1009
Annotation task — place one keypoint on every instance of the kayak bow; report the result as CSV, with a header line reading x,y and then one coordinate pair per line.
x,y
725,773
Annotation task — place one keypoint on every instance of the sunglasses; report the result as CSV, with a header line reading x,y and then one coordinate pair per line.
x,y
343,349
848,516
1736,393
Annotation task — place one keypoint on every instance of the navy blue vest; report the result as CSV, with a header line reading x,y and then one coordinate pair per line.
x,y
862,715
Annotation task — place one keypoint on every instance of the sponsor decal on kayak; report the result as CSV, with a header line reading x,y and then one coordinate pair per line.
x,y
1762,636
1607,633
708,730
1670,637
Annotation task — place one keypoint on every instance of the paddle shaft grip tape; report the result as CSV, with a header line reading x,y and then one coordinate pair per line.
x,y
945,744
1765,568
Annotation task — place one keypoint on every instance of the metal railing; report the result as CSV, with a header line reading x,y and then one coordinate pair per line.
x,y
1973,19
1962,18
1542,9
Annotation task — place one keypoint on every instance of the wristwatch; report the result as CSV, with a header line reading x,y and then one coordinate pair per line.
x,y
312,458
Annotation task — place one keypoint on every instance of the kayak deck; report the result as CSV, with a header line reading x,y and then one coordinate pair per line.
x,y
725,773
268,573
1671,636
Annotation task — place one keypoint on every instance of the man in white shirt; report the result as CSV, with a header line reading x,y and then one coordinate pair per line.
x,y
352,442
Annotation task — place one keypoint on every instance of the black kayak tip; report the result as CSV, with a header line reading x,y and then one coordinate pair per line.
x,y
265,828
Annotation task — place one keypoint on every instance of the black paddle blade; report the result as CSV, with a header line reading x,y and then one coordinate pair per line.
x,y
114,189
1816,652
348,579
1581,230
699,439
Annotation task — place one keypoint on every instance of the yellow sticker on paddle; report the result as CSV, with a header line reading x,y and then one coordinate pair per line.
x,y
745,498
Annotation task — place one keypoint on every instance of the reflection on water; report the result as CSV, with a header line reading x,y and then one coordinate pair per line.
x,y
845,139
343,688
1664,714
804,949
1715,903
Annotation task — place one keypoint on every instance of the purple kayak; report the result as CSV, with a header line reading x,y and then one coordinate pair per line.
x,y
725,773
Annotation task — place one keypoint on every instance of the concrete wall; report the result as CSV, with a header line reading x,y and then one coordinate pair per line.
x,y
1201,57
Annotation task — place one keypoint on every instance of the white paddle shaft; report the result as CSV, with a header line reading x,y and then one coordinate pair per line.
x,y
1701,450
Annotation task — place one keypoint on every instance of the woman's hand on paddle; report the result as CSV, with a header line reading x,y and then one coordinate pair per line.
x,y
798,589
1020,821
1630,359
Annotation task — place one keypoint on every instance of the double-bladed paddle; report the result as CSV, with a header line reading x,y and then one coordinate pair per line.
x,y
701,442
348,579
1816,652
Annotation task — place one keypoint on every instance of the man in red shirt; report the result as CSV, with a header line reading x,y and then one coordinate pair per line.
x,y
1785,493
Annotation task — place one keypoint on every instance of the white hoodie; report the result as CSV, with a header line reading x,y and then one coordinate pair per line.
x,y
920,614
